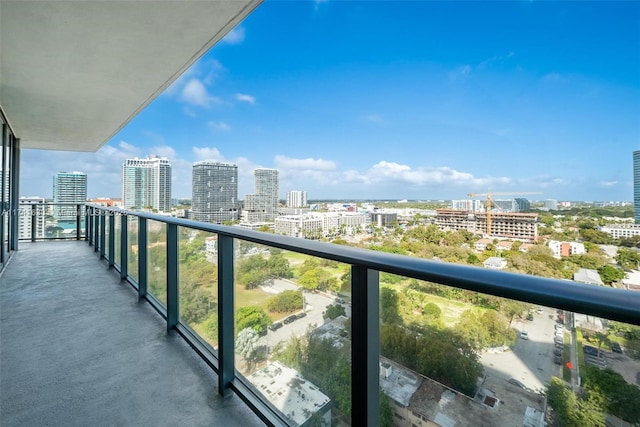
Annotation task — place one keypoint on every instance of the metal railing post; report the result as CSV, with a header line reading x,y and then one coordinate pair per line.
x,y
87,224
103,231
112,239
124,246
78,222
142,258
34,212
365,345
226,356
172,276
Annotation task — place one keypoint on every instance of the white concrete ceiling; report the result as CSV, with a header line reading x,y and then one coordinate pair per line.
x,y
73,73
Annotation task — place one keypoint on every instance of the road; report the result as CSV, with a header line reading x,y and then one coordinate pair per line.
x,y
316,304
530,361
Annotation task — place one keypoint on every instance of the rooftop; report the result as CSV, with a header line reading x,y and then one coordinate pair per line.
x,y
587,275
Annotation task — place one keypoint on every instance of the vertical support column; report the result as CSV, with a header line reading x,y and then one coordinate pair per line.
x,y
103,231
15,195
112,238
96,225
142,258
365,345
78,222
4,198
172,276
34,212
124,246
226,362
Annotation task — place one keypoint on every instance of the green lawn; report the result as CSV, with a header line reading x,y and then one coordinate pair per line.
x,y
582,366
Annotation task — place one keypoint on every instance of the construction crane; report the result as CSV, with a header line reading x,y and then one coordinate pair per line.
x,y
490,195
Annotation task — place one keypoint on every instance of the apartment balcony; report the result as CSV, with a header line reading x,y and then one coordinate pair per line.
x,y
78,349
116,329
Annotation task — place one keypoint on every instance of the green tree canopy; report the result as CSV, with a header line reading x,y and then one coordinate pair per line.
x,y
252,317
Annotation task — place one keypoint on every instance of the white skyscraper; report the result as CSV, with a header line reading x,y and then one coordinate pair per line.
x,y
296,199
32,213
146,183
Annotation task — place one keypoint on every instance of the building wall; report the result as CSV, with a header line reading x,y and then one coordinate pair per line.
x,y
296,199
214,192
267,187
636,186
68,187
621,230
146,183
26,214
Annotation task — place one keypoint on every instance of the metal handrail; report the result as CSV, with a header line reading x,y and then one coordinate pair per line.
x,y
614,304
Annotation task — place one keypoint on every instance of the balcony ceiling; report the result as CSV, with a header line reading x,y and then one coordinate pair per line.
x,y
73,73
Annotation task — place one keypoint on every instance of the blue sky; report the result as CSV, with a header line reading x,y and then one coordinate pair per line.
x,y
395,100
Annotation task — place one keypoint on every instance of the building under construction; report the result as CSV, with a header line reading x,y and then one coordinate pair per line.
x,y
511,225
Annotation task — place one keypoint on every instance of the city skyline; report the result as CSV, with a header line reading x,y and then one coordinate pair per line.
x,y
433,107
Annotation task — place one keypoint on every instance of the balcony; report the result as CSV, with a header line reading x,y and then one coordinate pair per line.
x,y
121,343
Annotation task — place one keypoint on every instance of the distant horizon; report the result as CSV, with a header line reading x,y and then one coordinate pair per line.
x,y
407,100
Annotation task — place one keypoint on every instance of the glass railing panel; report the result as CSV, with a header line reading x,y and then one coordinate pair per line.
x,y
107,232
293,332
157,260
118,237
132,246
454,356
198,282
599,379
462,356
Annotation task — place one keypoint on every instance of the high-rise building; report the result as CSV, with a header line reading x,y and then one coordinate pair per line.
x,y
69,188
146,183
296,199
32,218
214,192
263,205
523,205
636,186
267,187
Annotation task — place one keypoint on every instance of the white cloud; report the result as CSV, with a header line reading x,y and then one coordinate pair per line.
x,y
163,151
235,36
284,162
608,183
195,93
207,153
392,172
245,98
222,126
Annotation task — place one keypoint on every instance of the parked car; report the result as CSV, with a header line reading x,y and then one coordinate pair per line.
x,y
275,326
529,316
340,301
559,333
557,360
590,350
615,347
290,319
557,352
517,383
301,315
558,340
262,332
524,335
558,326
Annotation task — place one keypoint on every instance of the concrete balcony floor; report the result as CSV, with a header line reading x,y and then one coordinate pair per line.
x,y
77,349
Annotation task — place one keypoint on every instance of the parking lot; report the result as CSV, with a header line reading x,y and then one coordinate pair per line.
x,y
531,360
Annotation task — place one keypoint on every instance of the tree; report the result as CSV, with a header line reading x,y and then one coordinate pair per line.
x,y
246,345
628,259
278,266
610,274
252,317
389,311
564,403
432,313
333,311
386,411
285,301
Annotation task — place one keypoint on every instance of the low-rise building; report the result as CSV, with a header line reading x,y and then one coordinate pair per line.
x,y
618,231
589,276
495,263
564,249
